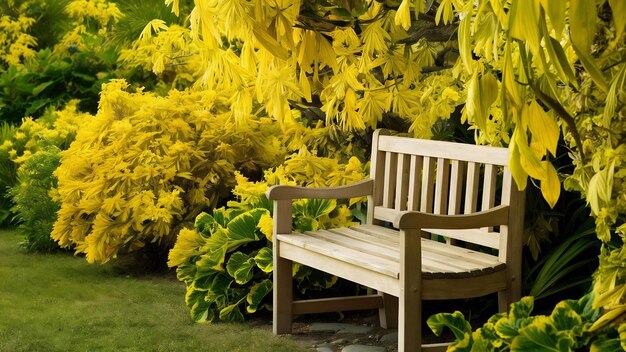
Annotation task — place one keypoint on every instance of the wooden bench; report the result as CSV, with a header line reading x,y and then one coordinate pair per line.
x,y
425,200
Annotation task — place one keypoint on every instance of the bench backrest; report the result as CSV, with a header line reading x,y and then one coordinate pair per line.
x,y
445,178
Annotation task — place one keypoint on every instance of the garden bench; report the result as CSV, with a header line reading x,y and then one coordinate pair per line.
x,y
428,203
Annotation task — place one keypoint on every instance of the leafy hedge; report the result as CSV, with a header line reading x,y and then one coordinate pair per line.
x,y
226,261
573,325
146,166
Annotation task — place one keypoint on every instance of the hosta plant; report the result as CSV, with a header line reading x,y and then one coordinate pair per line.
x,y
226,261
570,327
146,166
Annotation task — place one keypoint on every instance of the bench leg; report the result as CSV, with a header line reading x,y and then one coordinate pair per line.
x,y
283,296
410,300
503,301
388,314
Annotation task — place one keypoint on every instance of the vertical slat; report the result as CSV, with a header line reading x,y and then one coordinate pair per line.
x,y
471,187
457,177
489,187
402,182
391,161
377,172
442,186
428,174
415,178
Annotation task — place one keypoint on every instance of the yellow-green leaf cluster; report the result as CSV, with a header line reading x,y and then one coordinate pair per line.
x,y
16,44
146,165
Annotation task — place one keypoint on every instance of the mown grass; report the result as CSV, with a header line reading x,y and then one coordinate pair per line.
x,y
60,303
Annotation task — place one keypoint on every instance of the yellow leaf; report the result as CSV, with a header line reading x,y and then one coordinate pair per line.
x,y
403,15
551,186
517,171
465,40
556,11
543,128
530,163
269,43
524,15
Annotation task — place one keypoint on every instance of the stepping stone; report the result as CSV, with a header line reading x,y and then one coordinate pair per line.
x,y
340,328
363,348
324,349
391,337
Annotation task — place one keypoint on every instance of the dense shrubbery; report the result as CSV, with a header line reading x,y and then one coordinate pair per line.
x,y
146,166
572,326
35,150
226,261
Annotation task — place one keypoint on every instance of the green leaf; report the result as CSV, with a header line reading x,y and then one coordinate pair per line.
x,y
240,267
243,228
200,309
541,335
619,9
38,89
257,294
582,17
264,260
232,312
603,344
556,10
454,321
313,208
522,308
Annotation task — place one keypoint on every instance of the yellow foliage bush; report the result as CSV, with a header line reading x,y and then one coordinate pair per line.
x,y
146,166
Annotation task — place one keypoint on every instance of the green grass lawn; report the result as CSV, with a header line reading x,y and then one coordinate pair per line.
x,y
60,303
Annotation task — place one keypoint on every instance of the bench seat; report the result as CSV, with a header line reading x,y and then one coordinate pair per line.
x,y
377,248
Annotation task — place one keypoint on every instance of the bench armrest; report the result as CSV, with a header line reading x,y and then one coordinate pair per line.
x,y
417,220
284,192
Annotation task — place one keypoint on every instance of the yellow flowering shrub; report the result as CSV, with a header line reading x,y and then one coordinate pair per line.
x,y
226,261
16,44
89,19
146,166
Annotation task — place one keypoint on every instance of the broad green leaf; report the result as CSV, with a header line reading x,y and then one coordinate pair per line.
x,y
618,7
543,127
522,308
305,223
313,208
232,312
565,318
204,279
582,17
257,294
556,10
200,308
558,57
551,185
454,321
541,335
264,260
243,228
604,344
39,88
240,267
204,224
